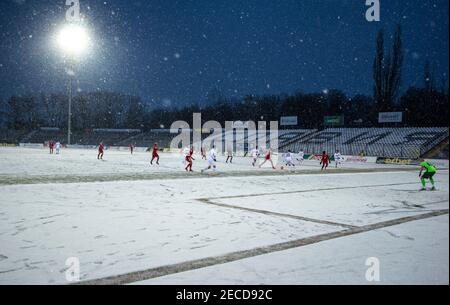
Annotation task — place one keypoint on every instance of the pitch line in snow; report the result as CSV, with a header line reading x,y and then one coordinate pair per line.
x,y
309,191
143,275
265,212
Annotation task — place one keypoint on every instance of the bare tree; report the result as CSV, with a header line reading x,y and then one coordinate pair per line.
x,y
388,71
378,70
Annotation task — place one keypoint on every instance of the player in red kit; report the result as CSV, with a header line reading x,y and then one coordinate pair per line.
x,y
100,151
325,160
268,158
189,158
51,146
155,154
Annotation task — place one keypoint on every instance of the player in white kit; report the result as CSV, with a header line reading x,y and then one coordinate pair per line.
x,y
255,155
212,159
288,159
337,158
58,147
301,156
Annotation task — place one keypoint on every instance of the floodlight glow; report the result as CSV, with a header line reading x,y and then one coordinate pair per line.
x,y
73,39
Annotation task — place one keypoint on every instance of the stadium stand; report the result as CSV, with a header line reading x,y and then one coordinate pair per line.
x,y
109,137
243,139
441,151
381,142
10,136
43,135
146,139
287,137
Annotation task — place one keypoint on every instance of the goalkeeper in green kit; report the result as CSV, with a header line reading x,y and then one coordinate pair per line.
x,y
430,171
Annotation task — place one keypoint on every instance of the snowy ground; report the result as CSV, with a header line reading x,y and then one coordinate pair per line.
x,y
128,222
36,165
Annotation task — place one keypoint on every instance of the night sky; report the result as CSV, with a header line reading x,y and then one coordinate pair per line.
x,y
175,52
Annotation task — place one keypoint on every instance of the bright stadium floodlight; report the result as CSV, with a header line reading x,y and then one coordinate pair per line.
x,y
73,39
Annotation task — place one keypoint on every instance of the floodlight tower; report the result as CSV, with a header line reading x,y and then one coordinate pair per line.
x,y
73,39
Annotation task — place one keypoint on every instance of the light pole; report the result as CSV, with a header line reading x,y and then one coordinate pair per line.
x,y
73,40
69,118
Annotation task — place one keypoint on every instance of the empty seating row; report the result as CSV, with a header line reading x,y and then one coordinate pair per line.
x,y
384,142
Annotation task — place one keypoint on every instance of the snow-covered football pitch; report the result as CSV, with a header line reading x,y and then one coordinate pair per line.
x,y
127,222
